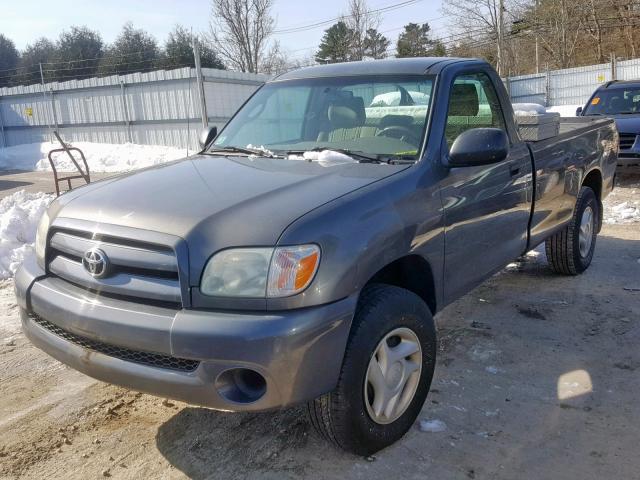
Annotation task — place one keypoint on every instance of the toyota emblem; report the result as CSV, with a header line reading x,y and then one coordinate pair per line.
x,y
96,262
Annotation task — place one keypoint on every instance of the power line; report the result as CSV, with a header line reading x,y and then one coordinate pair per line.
x,y
329,21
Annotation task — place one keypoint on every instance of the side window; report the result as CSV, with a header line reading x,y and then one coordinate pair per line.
x,y
473,104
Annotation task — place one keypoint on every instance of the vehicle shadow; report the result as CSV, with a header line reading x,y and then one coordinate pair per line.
x,y
11,184
203,443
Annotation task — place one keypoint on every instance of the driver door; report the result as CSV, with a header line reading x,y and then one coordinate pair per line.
x,y
486,208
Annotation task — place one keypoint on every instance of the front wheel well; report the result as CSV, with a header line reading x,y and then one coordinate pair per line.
x,y
412,273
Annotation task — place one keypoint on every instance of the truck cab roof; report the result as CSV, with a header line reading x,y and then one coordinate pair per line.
x,y
395,66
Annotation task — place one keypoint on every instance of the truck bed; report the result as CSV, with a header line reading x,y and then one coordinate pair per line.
x,y
557,165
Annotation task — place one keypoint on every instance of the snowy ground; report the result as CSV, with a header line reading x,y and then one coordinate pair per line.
x,y
564,110
102,157
19,217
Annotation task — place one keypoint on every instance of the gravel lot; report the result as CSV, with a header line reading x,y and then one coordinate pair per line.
x,y
538,377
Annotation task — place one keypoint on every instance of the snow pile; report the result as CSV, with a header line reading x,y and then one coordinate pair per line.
x,y
102,157
261,148
19,217
621,213
527,109
564,110
325,158
393,99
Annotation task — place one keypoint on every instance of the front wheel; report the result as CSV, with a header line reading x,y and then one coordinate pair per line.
x,y
385,375
570,251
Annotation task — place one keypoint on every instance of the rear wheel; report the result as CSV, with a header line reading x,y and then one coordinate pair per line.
x,y
385,375
570,251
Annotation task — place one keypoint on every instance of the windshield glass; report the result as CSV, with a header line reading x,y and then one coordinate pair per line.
x,y
378,116
615,101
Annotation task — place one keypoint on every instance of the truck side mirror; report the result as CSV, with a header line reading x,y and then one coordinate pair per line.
x,y
207,135
578,111
479,146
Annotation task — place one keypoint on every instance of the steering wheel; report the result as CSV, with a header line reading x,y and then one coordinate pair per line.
x,y
399,132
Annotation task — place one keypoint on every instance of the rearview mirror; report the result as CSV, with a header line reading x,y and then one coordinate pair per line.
x,y
578,111
479,146
207,135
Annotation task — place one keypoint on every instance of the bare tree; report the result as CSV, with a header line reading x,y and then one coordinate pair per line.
x,y
627,13
240,30
360,20
275,60
594,26
561,25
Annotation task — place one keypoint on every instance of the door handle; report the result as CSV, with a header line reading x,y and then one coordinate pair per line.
x,y
514,170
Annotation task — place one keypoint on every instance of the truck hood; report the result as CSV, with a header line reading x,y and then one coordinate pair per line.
x,y
216,202
628,124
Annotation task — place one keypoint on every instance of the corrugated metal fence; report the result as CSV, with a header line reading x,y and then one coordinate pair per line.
x,y
164,107
571,86
156,108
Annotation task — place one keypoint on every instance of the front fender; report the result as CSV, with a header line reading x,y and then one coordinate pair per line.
x,y
362,232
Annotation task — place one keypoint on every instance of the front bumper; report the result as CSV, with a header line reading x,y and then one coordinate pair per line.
x,y
299,352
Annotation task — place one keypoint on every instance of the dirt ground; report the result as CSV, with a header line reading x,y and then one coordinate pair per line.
x,y
538,377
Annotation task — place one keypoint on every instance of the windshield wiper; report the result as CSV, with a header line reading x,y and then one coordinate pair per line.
x,y
246,151
627,113
356,155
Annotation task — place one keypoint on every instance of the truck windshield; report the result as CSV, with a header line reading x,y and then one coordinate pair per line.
x,y
615,101
378,117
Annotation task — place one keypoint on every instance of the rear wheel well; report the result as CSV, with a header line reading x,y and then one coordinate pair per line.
x,y
412,273
593,180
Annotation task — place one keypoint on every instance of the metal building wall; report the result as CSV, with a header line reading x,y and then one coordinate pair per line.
x,y
571,86
155,108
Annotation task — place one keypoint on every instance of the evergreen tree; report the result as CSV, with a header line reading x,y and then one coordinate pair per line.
x,y
134,50
416,41
178,50
42,51
375,44
335,45
80,49
8,59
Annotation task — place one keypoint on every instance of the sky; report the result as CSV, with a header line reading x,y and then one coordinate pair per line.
x,y
24,21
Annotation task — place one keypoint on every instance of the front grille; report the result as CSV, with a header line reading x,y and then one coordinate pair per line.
x,y
158,360
627,140
143,272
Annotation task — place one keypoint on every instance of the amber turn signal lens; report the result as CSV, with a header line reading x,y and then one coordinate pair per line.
x,y
292,269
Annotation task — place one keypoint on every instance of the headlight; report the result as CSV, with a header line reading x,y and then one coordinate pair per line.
x,y
260,272
41,238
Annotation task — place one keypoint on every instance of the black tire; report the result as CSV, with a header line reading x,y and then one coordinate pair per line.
x,y
341,416
563,248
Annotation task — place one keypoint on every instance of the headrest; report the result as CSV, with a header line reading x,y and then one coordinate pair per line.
x,y
464,100
617,103
347,112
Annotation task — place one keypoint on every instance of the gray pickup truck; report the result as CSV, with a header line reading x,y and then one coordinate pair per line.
x,y
302,255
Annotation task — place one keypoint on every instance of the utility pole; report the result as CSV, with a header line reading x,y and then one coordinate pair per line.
x,y
500,37
200,81
44,97
537,52
614,66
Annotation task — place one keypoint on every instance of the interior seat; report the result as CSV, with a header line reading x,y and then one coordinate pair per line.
x,y
464,107
346,121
